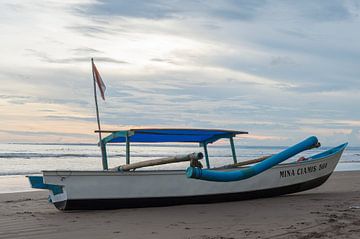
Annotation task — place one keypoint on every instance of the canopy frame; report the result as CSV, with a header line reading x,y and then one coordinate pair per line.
x,y
201,136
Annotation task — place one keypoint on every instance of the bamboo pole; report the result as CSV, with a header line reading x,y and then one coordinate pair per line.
x,y
161,161
101,144
96,103
233,150
243,163
206,156
251,161
257,160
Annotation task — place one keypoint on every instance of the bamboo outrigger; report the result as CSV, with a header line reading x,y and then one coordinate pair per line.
x,y
193,158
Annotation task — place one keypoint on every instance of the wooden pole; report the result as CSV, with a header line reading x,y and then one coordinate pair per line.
x,y
102,146
127,149
257,160
206,156
233,150
153,162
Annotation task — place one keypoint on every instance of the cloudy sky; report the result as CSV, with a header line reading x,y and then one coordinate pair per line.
x,y
282,70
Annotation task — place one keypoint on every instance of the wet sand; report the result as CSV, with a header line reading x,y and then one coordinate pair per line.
x,y
330,211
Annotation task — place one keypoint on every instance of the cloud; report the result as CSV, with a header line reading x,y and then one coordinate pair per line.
x,y
227,10
160,9
330,11
236,10
85,51
92,30
137,8
281,60
280,70
45,58
163,60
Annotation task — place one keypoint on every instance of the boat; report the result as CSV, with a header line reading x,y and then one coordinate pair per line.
x,y
127,187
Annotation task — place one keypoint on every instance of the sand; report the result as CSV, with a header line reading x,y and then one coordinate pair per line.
x,y
330,211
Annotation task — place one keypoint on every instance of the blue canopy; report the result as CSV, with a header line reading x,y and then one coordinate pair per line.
x,y
170,135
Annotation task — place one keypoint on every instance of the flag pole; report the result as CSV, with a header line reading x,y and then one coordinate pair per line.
x,y
102,146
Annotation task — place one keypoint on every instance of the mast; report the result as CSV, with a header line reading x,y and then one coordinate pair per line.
x,y
101,144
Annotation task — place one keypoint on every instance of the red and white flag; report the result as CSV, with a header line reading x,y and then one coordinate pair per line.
x,y
99,81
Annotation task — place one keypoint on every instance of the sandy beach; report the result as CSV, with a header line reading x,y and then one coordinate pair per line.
x,y
330,211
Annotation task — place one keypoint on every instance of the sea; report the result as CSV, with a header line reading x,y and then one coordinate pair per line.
x,y
18,160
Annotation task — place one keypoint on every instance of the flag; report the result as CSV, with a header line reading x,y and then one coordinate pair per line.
x,y
99,81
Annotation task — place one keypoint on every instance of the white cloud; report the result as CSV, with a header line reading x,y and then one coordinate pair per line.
x,y
279,70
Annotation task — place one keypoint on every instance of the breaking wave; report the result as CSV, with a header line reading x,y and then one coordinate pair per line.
x,y
46,155
82,155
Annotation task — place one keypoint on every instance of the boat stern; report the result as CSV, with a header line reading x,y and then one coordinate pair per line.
x,y
57,195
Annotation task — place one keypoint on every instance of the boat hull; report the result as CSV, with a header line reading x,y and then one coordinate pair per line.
x,y
118,203
111,190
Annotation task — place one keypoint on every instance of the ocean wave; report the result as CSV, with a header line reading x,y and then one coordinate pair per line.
x,y
82,155
71,155
45,155
14,173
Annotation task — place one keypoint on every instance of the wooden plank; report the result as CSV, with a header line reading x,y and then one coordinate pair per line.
x,y
127,150
104,155
257,160
106,131
206,156
244,163
233,150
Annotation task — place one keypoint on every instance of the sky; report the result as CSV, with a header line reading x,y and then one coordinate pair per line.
x,y
281,70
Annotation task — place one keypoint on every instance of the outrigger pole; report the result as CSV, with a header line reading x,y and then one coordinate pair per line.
x,y
263,165
101,144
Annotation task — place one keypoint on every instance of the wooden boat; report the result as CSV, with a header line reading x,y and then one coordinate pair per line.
x,y
123,188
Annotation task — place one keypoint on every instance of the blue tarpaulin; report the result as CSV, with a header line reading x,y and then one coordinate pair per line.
x,y
172,135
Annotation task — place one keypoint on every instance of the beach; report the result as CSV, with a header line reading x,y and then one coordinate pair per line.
x,y
329,211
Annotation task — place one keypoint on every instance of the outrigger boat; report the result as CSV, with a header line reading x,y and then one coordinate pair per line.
x,y
125,187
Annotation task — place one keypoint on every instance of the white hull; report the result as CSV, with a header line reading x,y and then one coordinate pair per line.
x,y
108,189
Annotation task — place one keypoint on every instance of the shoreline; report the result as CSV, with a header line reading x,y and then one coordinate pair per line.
x,y
329,211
